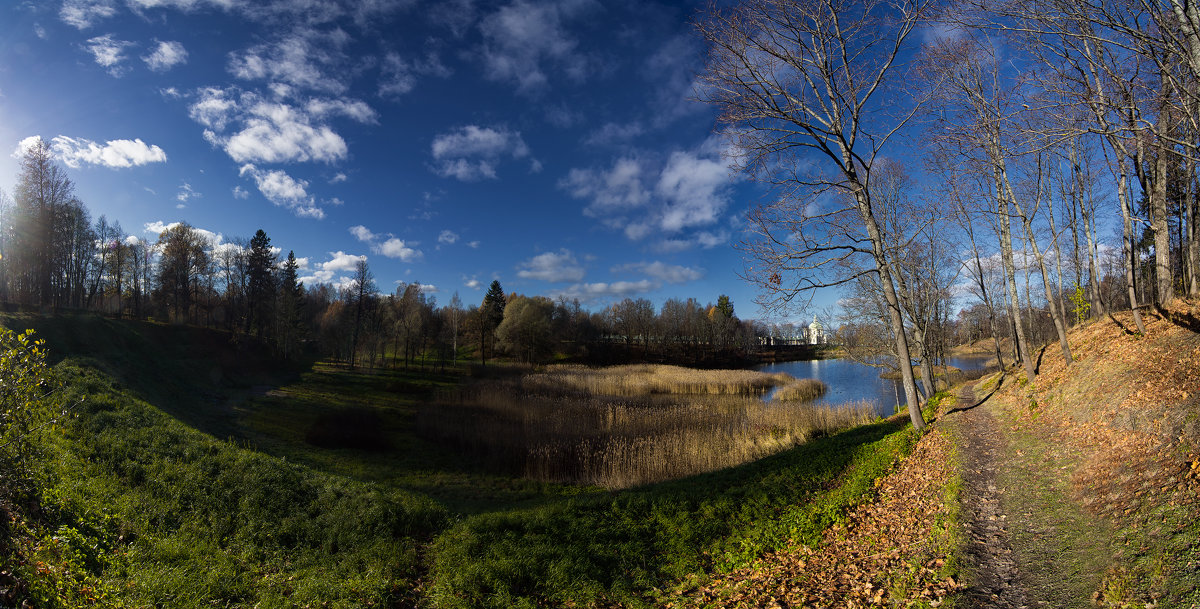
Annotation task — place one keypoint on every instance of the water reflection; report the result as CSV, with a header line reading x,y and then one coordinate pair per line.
x,y
850,381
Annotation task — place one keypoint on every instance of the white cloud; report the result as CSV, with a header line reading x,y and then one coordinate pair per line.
x,y
703,239
473,245
109,53
398,76
214,109
284,190
306,59
240,193
324,272
278,133
215,240
523,37
82,14
338,179
689,191
387,245
695,189
552,266
24,145
671,73
271,131
615,190
157,228
448,237
341,261
186,193
471,153
361,233
613,133
166,56
114,154
396,248
663,272
591,292
350,108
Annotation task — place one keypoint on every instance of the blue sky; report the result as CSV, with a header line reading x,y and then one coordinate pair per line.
x,y
550,145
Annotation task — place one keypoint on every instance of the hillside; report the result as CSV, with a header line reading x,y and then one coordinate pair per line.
x,y
1080,490
190,474
195,471
1096,470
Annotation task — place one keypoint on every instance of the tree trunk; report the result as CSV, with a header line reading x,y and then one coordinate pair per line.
x,y
1092,255
903,356
1010,270
1192,247
1127,242
1165,285
1051,299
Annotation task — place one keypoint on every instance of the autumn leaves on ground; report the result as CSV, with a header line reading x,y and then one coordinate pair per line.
x,y
1080,489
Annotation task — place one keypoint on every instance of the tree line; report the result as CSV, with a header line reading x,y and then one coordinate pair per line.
x,y
1035,159
53,257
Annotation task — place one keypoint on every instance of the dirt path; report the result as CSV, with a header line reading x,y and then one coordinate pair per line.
x,y
990,556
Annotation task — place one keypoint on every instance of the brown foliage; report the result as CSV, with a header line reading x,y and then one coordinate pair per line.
x,y
882,557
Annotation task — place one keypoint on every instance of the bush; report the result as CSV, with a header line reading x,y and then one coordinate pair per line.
x,y
25,385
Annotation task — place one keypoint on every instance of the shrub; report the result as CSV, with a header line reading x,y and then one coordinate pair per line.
x,y
25,384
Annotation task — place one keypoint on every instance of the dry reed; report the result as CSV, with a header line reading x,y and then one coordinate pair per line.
x,y
801,390
650,379
621,441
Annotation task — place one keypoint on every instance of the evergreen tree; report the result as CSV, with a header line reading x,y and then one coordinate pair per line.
x,y
491,314
261,290
291,303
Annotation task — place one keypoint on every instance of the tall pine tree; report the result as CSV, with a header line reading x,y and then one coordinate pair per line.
x,y
291,301
261,291
491,313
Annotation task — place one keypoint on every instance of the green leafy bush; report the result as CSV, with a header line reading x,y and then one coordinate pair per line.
x,y
25,384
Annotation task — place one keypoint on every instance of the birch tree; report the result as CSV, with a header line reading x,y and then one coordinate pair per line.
x,y
806,90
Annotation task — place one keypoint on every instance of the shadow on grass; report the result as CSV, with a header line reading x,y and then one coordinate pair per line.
x,y
1186,320
976,403
617,547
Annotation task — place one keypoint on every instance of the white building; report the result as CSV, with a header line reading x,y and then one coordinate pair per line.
x,y
816,333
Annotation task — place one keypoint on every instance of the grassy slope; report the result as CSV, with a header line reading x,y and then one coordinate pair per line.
x,y
1103,465
183,481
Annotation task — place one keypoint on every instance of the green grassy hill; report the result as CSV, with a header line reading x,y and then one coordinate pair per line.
x,y
197,472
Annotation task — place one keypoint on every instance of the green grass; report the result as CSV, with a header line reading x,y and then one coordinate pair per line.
x,y
184,482
626,546
208,520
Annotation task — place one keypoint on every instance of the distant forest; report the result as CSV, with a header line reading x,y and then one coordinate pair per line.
x,y
54,258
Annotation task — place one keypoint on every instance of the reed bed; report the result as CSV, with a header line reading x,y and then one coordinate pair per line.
x,y
801,390
650,379
621,441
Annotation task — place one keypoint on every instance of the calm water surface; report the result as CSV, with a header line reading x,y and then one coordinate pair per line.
x,y
850,381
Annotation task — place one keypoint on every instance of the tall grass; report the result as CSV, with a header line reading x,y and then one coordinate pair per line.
x,y
650,379
801,390
535,429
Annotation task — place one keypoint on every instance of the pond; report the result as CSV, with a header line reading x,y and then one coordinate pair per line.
x,y
849,381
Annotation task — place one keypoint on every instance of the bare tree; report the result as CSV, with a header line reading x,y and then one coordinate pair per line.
x,y
805,87
361,292
965,78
